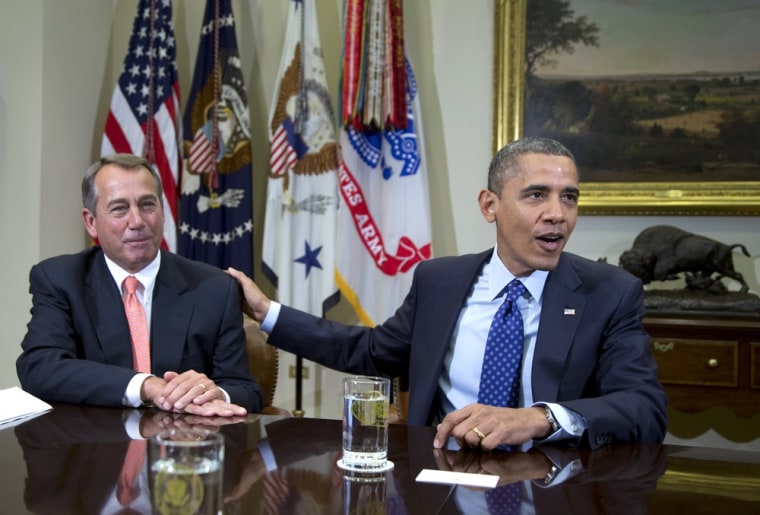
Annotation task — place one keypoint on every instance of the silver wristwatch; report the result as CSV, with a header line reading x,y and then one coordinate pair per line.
x,y
550,418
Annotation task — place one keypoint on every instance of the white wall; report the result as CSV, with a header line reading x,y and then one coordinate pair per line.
x,y
20,149
58,65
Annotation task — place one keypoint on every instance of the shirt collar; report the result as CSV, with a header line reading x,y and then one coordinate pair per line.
x,y
146,276
499,276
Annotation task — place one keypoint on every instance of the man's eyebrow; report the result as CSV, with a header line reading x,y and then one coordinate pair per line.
x,y
122,200
544,188
114,201
536,187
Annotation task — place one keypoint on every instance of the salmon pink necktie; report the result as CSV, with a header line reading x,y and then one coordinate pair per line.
x,y
138,326
128,490
138,329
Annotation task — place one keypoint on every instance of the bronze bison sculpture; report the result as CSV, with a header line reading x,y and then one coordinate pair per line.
x,y
661,252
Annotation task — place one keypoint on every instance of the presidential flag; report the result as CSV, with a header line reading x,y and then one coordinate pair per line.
x,y
216,224
144,114
384,223
302,189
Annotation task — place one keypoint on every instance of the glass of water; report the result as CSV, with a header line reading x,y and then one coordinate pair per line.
x,y
186,471
365,424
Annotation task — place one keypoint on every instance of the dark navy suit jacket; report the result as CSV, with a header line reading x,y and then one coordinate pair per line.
x,y
592,354
77,347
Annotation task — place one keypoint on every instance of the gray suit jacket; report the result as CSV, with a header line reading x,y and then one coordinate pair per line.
x,y
592,354
77,347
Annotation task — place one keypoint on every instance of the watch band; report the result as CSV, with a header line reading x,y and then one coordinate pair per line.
x,y
551,474
550,418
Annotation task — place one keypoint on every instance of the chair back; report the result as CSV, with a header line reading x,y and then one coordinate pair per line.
x,y
263,361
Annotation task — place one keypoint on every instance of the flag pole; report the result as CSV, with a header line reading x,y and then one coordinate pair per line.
x,y
299,412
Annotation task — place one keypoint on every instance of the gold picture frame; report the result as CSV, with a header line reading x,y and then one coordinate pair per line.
x,y
601,198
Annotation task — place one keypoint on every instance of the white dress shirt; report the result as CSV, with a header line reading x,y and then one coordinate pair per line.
x,y
147,282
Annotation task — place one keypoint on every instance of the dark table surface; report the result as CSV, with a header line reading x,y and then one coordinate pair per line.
x,y
68,460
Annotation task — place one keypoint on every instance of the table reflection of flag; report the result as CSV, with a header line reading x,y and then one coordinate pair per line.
x,y
144,114
216,224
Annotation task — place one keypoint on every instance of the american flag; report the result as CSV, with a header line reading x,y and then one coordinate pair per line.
x,y
144,115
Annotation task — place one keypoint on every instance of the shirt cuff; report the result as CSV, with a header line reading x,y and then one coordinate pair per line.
x,y
267,455
132,394
571,424
271,318
132,424
563,468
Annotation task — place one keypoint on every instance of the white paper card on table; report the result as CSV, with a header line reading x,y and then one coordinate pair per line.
x,y
457,478
17,406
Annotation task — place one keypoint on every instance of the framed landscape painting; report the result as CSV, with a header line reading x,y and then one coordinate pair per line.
x,y
658,101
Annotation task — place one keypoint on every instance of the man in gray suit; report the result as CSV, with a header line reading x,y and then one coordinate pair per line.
x,y
586,374
77,348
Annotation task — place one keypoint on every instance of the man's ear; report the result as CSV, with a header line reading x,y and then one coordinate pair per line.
x,y
88,220
487,201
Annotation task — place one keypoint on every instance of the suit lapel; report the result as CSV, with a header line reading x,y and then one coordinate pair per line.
x,y
170,316
106,309
442,304
561,313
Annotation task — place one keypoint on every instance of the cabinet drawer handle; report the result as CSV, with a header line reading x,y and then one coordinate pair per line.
x,y
712,363
663,347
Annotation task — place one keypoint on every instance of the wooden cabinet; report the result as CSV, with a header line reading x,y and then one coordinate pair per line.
x,y
708,361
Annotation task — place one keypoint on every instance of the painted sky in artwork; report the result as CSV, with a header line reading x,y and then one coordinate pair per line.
x,y
666,36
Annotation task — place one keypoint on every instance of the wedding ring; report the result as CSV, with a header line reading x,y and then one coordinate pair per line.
x,y
203,386
478,432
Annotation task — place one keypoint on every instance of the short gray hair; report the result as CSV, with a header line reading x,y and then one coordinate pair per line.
x,y
504,165
126,161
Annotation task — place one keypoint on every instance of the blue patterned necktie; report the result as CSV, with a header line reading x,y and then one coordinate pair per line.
x,y
500,381
504,500
500,375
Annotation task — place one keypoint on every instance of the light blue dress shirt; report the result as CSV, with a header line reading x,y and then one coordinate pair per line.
x,y
460,380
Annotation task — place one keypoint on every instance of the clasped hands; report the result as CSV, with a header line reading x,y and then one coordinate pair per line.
x,y
188,392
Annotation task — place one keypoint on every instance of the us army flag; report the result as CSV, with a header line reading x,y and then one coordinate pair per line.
x,y
384,222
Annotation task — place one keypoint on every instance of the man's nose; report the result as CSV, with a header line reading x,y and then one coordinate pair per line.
x,y
555,211
135,217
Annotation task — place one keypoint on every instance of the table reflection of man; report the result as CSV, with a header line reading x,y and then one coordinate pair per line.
x,y
75,456
617,479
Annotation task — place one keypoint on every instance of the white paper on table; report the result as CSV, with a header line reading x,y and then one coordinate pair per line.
x,y
17,406
457,478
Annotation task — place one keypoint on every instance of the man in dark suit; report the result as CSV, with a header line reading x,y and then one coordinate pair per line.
x,y
586,375
77,348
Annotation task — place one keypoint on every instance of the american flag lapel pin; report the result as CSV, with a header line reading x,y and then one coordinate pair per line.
x,y
568,311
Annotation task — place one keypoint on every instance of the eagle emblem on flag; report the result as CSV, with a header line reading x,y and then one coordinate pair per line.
x,y
302,126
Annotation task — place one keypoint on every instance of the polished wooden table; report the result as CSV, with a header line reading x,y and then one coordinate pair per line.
x,y
68,460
